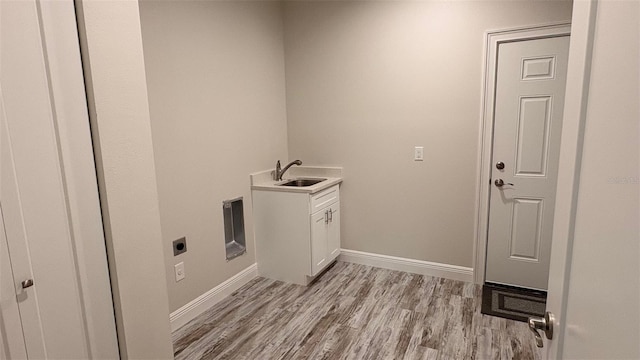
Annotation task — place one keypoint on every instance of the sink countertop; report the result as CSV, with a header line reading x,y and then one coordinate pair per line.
x,y
263,180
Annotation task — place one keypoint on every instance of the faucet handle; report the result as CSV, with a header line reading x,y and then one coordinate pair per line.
x,y
276,173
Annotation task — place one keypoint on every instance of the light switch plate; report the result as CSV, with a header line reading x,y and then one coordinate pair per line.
x,y
179,267
418,154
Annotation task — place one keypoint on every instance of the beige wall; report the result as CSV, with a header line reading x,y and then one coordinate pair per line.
x,y
365,83
368,81
113,62
215,74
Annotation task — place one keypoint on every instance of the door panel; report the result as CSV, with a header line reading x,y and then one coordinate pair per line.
x,y
538,68
33,196
525,236
594,288
529,101
532,149
15,231
12,344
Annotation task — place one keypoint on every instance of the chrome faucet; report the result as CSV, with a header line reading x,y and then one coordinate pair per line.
x,y
277,175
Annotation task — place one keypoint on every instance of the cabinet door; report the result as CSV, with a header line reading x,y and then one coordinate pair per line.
x,y
319,252
333,236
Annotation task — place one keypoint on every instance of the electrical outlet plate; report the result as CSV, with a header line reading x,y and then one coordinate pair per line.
x,y
179,268
418,154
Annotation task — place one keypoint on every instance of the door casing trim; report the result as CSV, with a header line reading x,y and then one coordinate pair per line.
x,y
60,44
485,139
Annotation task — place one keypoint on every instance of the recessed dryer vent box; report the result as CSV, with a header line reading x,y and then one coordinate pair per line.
x,y
234,239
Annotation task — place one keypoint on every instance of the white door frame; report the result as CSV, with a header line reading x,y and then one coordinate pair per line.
x,y
492,40
58,27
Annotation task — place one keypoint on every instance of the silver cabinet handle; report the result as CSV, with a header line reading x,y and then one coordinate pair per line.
x,y
501,183
27,283
326,216
330,215
544,324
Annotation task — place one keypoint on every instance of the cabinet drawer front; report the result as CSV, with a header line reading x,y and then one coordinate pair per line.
x,y
325,198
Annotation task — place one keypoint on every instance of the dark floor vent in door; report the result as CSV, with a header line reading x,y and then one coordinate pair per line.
x,y
512,302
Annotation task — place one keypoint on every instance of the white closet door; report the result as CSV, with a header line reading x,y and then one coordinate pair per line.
x,y
12,344
32,195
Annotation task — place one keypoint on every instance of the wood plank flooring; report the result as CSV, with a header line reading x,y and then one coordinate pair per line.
x,y
354,312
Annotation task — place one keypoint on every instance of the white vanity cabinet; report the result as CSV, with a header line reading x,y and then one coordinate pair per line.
x,y
297,234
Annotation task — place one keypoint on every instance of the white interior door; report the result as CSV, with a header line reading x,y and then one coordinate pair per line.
x,y
530,84
33,199
12,344
594,283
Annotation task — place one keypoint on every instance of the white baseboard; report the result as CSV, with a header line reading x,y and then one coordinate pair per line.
x,y
421,267
203,302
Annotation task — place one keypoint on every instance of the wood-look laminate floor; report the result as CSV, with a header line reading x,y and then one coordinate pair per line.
x,y
354,312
